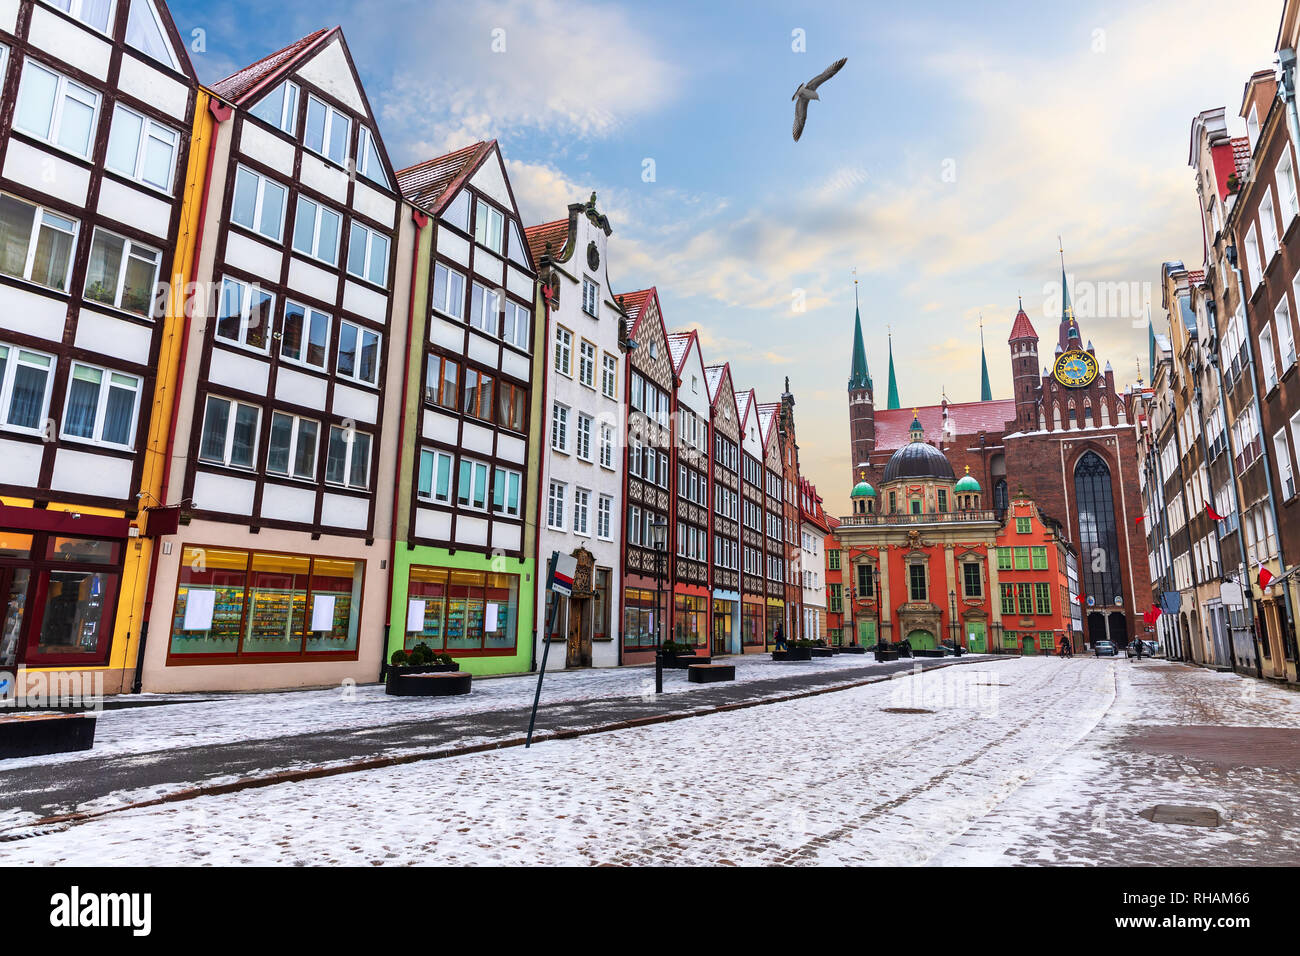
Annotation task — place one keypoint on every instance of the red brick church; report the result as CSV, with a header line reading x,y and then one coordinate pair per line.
x,y
1066,439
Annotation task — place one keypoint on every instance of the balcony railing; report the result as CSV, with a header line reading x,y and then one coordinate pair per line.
x,y
906,518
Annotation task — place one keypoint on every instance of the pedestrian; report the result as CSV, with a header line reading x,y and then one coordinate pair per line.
x,y
780,638
1066,649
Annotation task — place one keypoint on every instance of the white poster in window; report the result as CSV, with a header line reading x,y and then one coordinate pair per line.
x,y
414,615
198,610
490,618
322,612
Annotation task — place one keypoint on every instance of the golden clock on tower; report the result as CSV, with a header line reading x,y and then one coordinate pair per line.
x,y
1075,368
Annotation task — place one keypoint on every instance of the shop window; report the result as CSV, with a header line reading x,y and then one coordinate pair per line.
x,y
464,612
639,618
691,622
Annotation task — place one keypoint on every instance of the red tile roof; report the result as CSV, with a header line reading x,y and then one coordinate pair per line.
x,y
1022,328
1241,154
1195,277
239,84
555,234
967,418
431,183
634,302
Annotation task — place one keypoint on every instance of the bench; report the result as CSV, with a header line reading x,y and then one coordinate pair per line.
x,y
439,684
822,651
682,661
34,735
851,649
793,654
710,673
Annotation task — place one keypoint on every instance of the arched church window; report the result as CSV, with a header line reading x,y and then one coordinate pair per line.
x,y
1098,541
1000,499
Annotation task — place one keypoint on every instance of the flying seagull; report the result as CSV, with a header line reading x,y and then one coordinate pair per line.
x,y
808,91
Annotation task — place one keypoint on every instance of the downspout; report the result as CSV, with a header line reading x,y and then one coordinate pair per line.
x,y
421,220
220,113
542,458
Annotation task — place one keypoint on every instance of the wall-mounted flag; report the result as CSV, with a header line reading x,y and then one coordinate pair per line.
x,y
1209,510
1265,576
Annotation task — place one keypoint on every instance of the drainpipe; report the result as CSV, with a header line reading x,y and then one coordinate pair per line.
x,y
542,456
421,220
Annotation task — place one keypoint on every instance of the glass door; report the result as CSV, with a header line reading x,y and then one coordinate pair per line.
x,y
13,586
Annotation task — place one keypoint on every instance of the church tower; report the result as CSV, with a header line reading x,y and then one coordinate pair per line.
x,y
862,408
1026,378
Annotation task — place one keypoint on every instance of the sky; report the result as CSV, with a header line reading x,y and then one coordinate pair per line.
x,y
939,167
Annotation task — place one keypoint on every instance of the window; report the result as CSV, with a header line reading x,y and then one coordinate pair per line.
x,y
93,13
1038,555
25,379
448,291
583,436
587,364
833,559
368,254
519,325
471,485
478,395
1285,337
1268,223
563,351
55,109
1008,599
1267,358
484,308
505,492
581,508
1004,559
559,427
327,131
36,244
1252,256
316,231
101,405
457,212
258,204
1287,188
916,582
590,297
1022,558
244,314
358,354
609,376
488,225
142,149
604,513
122,273
434,481
291,449
229,434
1284,464
369,162
1023,526
144,31
972,585
442,383
1024,598
518,249
512,402
279,108
305,336
606,446
1043,598
555,506
347,461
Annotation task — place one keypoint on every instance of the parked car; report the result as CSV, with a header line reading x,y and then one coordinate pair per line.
x,y
1105,649
1149,648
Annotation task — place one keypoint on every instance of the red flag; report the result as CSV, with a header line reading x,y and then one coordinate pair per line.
x,y
1079,598
1147,618
1156,611
1209,510
1265,576
1139,519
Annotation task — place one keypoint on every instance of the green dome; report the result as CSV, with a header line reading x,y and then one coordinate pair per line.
x,y
967,482
863,490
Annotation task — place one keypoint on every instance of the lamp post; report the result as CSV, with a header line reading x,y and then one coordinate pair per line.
x,y
952,623
659,534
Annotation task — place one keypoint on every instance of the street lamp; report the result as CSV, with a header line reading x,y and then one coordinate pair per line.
x,y
952,623
659,536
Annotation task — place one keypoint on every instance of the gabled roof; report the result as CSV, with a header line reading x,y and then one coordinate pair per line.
x,y
746,401
432,183
634,302
893,426
766,416
679,346
554,234
713,378
239,84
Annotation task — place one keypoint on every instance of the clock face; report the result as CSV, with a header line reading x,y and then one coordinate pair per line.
x,y
1075,368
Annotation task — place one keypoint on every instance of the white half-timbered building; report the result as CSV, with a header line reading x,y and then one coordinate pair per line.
x,y
582,460
691,453
278,579
96,113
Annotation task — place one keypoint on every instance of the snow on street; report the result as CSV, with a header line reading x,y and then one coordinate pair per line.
x,y
851,777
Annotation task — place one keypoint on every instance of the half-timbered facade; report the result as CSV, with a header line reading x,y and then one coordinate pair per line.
x,y
96,113
792,558
647,581
774,533
691,453
753,521
724,518
464,568
582,471
278,577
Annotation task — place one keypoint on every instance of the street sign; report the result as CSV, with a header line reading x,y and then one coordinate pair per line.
x,y
563,570
1231,594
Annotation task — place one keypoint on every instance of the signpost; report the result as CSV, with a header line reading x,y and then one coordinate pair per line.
x,y
560,571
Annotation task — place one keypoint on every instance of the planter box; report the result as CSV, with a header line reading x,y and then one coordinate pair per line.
x,y
852,649
793,654
929,652
710,673
33,735
886,655
436,684
822,651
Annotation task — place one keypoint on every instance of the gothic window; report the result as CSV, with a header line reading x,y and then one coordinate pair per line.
x,y
1000,500
1098,542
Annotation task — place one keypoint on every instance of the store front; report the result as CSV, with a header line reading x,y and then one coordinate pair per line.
x,y
643,628
691,616
60,591
775,618
751,626
725,623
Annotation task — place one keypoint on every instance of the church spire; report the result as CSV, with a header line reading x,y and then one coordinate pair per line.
x,y
859,372
893,382
986,392
1069,337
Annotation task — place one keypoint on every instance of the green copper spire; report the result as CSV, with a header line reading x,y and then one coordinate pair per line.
x,y
859,373
1069,327
893,382
986,392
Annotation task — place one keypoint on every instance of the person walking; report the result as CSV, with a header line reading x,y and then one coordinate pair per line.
x,y
1066,649
780,638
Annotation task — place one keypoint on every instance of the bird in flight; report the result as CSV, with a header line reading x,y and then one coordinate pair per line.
x,y
808,91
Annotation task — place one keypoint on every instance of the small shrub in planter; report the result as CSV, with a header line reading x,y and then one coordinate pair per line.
x,y
399,658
